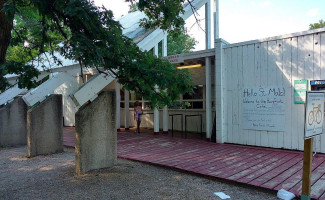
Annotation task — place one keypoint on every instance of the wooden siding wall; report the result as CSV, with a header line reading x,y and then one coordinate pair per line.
x,y
272,63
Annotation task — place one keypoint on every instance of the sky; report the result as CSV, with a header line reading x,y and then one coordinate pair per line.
x,y
244,20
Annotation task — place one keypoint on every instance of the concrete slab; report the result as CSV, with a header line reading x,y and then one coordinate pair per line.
x,y
96,139
45,127
13,128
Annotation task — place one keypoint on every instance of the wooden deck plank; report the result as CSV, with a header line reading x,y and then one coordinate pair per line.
x,y
276,171
239,167
204,158
215,158
176,156
318,168
318,188
257,167
226,159
225,163
263,167
322,197
266,169
282,176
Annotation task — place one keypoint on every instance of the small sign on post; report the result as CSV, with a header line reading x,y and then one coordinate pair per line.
x,y
300,90
314,114
314,117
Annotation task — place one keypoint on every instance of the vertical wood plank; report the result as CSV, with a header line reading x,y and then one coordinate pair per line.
x,y
224,128
280,77
316,76
264,80
257,73
234,78
295,107
322,66
287,76
239,90
308,47
229,95
272,80
300,107
246,77
251,83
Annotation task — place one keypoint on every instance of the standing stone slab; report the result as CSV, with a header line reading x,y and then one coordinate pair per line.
x,y
45,127
96,139
13,128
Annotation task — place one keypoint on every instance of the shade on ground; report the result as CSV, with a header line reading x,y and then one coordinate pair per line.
x,y
260,167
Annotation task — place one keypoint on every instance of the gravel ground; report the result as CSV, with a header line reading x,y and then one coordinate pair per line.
x,y
53,177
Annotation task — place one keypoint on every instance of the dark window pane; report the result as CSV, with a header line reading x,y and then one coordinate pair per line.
x,y
197,94
122,95
198,105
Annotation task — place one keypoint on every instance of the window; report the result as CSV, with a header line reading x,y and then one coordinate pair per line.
x,y
195,99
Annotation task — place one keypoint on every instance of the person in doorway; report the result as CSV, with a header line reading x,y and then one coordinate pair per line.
x,y
137,115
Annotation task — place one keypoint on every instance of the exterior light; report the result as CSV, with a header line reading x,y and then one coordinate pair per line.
x,y
189,66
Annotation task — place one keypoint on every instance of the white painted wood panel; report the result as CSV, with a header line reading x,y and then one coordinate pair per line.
x,y
316,76
301,75
287,76
228,111
89,90
246,77
277,62
294,107
279,82
257,75
263,83
240,134
8,95
234,85
321,43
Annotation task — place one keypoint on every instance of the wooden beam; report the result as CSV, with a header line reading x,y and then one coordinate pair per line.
x,y
307,167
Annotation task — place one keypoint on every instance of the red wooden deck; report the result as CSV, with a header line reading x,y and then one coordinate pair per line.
x,y
261,167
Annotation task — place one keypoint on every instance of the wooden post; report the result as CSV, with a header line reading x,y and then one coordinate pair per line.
x,y
307,167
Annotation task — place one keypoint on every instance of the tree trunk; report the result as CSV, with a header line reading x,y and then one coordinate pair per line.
x,y
5,35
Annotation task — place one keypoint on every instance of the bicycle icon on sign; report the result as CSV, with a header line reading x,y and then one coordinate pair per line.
x,y
315,115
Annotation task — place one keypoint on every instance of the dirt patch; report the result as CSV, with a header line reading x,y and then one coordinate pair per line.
x,y
53,177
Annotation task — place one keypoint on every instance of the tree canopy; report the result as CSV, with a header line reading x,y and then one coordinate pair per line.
x,y
320,24
80,31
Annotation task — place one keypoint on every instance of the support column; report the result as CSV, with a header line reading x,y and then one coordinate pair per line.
x,y
208,106
156,111
118,108
45,127
96,138
216,20
220,92
156,118
208,25
13,128
165,110
126,106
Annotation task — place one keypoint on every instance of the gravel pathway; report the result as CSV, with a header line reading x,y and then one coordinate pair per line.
x,y
53,177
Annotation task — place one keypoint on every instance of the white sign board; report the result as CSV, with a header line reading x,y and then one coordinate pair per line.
x,y
314,114
263,108
174,59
